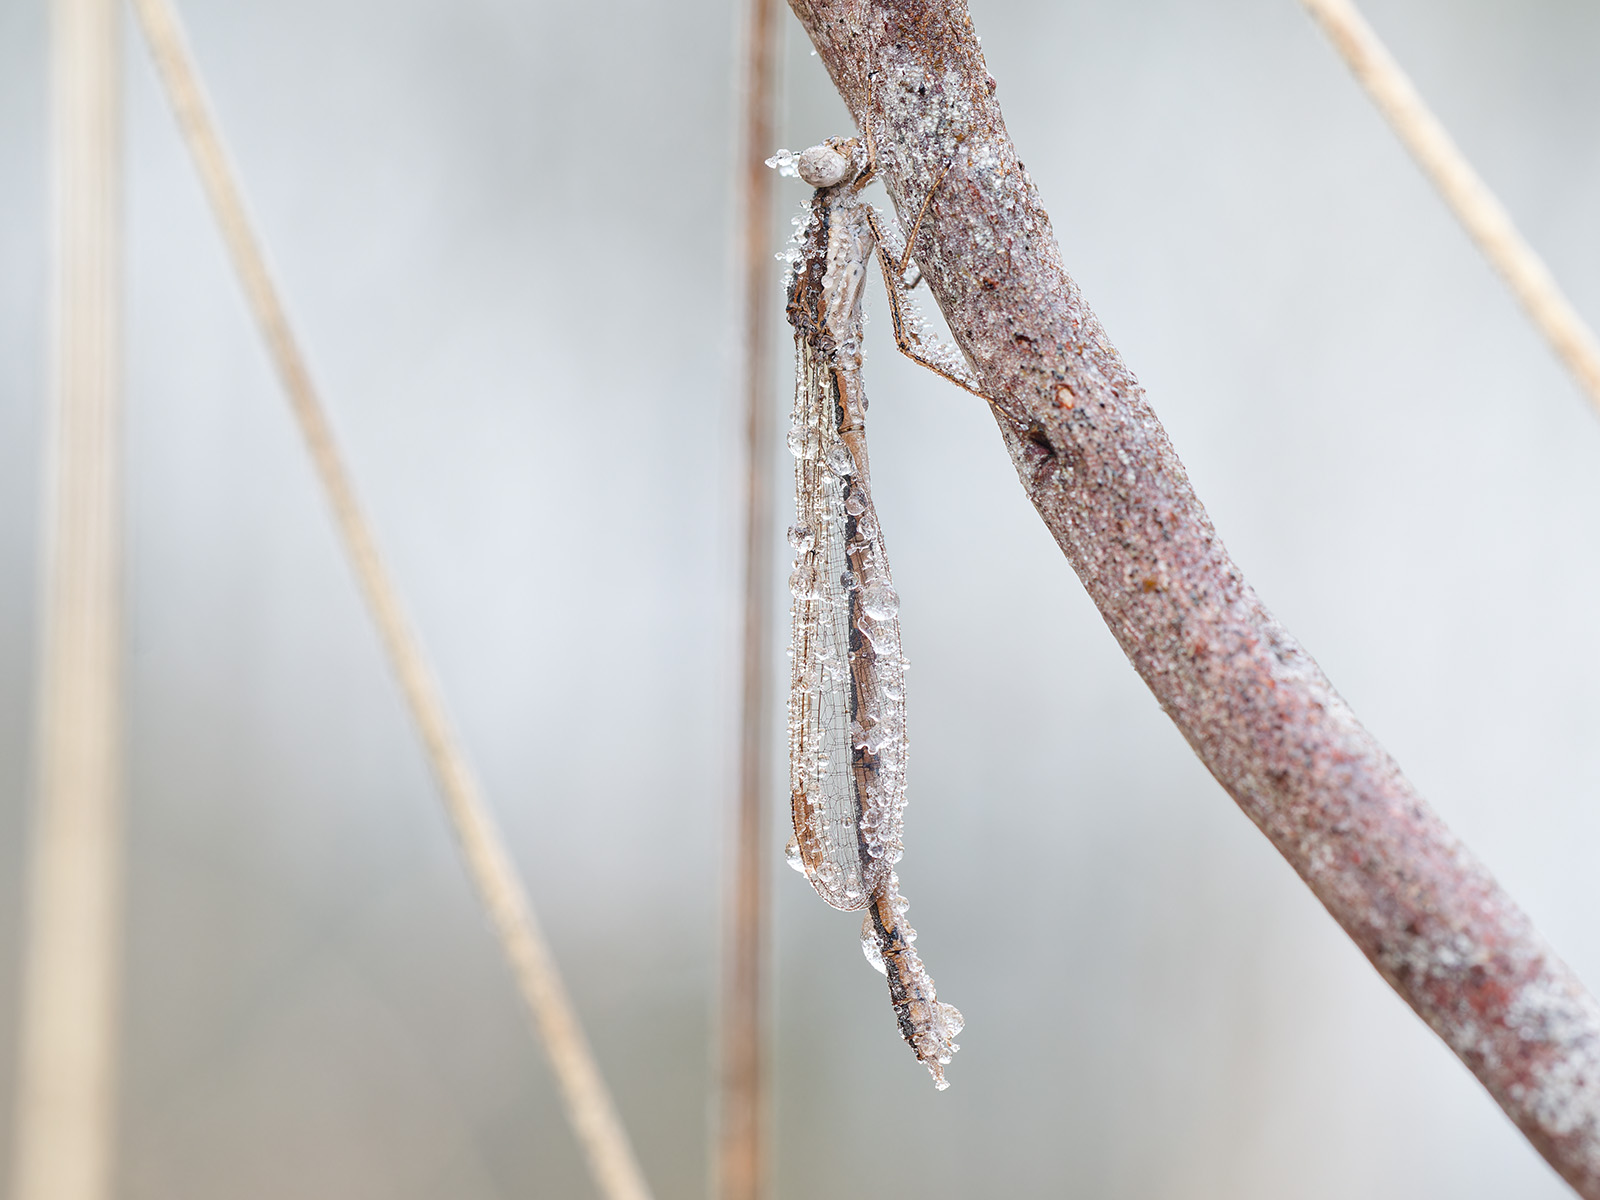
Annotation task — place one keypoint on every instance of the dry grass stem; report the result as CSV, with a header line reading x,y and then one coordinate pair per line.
x,y
1474,205
588,1104
742,1132
65,1116
1258,711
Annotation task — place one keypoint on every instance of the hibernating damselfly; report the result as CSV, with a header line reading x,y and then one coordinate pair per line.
x,y
847,727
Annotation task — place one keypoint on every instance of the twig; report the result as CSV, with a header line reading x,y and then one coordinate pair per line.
x,y
65,1115
742,1119
1255,707
588,1104
1467,195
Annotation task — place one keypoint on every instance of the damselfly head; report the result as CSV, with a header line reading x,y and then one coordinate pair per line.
x,y
830,164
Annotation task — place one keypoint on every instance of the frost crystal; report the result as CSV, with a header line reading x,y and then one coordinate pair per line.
x,y
786,163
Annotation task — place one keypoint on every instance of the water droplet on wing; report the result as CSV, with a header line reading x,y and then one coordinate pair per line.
x,y
880,602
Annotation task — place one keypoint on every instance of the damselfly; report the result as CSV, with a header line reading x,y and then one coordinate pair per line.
x,y
847,731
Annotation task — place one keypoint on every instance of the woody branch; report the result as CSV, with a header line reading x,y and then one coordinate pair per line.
x,y
1255,707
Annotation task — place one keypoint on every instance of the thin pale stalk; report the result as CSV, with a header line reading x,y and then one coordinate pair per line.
x,y
742,1154
588,1104
1475,206
65,1117
1255,707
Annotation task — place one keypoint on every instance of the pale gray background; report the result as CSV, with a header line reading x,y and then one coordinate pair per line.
x,y
504,232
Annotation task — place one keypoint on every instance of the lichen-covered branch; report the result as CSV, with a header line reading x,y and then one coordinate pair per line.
x,y
1254,705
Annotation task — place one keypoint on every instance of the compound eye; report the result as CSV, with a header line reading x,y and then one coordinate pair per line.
x,y
823,167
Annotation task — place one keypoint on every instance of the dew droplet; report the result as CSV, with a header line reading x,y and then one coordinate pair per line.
x,y
880,602
870,947
839,460
885,640
829,873
791,855
801,538
954,1022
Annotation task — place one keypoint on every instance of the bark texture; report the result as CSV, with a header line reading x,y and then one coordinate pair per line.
x,y
1257,709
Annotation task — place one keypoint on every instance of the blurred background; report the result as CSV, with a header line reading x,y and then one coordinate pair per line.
x,y
505,234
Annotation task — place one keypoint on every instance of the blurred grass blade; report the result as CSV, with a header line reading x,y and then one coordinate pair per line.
x,y
588,1104
65,1115
742,1152
1475,206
